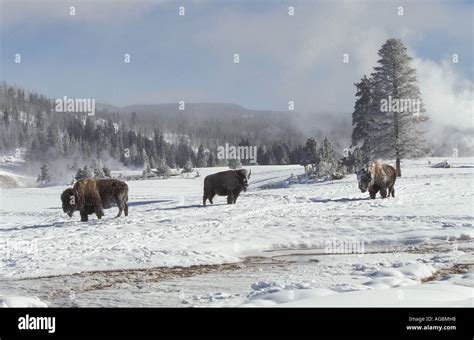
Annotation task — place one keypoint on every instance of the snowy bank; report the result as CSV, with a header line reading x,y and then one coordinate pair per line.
x,y
425,295
21,302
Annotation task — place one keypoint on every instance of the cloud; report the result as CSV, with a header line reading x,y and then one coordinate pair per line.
x,y
33,14
308,50
447,95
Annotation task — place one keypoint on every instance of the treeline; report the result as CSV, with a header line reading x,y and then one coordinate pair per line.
x,y
30,121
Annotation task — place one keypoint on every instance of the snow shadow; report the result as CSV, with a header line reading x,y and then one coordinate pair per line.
x,y
192,206
344,199
36,226
139,203
130,204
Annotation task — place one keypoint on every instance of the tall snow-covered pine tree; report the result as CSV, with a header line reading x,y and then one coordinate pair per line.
x,y
396,132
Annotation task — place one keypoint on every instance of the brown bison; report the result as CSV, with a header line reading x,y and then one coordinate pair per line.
x,y
93,195
377,177
226,183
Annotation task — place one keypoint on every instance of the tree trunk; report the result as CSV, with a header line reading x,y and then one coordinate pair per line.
x,y
399,170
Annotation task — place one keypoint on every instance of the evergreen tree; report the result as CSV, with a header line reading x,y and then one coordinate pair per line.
x,y
133,156
39,118
212,159
44,177
328,161
188,167
98,169
146,164
6,117
162,169
262,155
396,130
327,152
106,171
355,161
183,153
160,144
312,153
88,133
362,115
201,161
133,120
53,136
235,163
66,144
83,173
279,153
171,156
358,159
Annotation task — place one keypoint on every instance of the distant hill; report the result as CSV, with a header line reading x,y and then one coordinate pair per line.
x,y
214,122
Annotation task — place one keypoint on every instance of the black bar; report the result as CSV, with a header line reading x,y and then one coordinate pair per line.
x,y
292,323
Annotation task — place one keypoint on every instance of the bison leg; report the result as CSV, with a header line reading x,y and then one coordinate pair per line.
x,y
383,192
391,191
84,216
235,197
121,205
97,203
373,191
208,196
99,212
230,199
121,201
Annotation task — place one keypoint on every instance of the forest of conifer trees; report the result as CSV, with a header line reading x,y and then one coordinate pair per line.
x,y
29,121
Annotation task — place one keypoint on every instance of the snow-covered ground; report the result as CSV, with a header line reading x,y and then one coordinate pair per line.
x,y
284,243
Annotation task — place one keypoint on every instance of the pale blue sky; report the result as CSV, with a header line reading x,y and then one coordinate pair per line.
x,y
191,58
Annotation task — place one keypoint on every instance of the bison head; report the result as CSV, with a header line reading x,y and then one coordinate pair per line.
x,y
244,177
363,177
69,199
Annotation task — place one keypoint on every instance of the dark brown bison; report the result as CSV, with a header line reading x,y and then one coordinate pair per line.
x,y
93,195
377,177
226,183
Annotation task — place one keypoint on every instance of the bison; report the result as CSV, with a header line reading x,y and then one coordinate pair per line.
x,y
226,183
90,196
377,177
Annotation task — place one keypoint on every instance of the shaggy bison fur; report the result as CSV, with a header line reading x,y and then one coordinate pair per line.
x,y
226,183
377,177
90,196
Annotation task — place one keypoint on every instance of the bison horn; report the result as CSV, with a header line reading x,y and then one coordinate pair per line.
x,y
249,173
